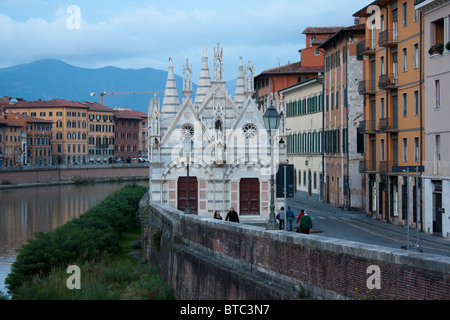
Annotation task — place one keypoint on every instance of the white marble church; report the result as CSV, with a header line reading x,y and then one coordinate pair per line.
x,y
214,150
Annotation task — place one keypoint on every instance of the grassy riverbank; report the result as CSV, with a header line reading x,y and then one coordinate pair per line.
x,y
104,243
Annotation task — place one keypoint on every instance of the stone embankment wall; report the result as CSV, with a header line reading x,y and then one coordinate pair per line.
x,y
26,175
204,258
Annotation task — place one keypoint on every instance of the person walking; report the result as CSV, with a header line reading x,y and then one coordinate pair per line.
x,y
280,217
305,224
289,217
232,216
217,215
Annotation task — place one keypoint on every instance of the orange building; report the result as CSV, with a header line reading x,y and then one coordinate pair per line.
x,y
273,80
393,91
37,150
69,141
12,143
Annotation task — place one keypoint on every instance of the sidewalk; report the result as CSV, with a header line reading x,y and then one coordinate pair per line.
x,y
361,217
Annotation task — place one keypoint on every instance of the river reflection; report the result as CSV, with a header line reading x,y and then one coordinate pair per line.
x,y
26,211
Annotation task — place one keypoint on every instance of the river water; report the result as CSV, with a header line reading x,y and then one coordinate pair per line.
x,y
24,211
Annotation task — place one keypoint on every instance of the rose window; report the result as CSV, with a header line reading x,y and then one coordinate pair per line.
x,y
250,130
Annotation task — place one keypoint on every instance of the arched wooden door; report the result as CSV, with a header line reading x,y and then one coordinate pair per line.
x,y
249,196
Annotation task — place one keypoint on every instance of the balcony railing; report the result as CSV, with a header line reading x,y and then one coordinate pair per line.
x,y
388,38
367,127
388,81
367,87
387,125
385,166
365,47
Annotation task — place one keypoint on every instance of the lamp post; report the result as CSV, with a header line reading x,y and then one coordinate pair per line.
x,y
187,210
271,121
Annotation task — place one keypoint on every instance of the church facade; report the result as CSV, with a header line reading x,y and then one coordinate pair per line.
x,y
213,152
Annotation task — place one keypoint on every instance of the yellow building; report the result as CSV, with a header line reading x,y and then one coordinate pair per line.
x,y
393,116
101,126
303,105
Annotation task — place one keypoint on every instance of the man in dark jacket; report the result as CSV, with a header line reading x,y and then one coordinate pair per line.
x,y
232,216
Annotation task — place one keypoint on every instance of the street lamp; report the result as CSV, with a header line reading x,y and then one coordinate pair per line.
x,y
271,121
188,210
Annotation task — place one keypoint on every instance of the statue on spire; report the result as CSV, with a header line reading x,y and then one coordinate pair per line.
x,y
187,79
250,79
218,63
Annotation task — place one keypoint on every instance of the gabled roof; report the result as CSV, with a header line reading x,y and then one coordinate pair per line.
x,y
292,68
321,30
44,104
129,114
28,118
341,33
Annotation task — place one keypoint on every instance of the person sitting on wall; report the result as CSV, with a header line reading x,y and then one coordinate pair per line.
x,y
217,215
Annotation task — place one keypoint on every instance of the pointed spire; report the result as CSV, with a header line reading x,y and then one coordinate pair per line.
x,y
204,82
239,96
171,102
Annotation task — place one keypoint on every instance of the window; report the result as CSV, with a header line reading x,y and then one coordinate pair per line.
x,y
382,150
381,108
437,154
416,103
405,105
416,56
416,149
249,129
381,65
437,94
405,60
405,149
405,15
187,131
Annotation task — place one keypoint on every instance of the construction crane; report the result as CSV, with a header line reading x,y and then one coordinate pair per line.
x,y
101,94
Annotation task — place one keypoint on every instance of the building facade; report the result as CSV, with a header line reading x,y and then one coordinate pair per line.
x,y
69,141
12,144
211,154
342,112
101,128
38,147
393,94
436,176
128,131
304,105
269,82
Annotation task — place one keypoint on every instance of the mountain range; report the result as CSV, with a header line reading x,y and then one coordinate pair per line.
x,y
54,79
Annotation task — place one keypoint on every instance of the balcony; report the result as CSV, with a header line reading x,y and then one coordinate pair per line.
x,y
102,145
385,166
367,127
365,47
388,81
388,38
367,87
387,125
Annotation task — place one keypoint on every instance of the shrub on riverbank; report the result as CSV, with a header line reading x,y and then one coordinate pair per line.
x,y
82,239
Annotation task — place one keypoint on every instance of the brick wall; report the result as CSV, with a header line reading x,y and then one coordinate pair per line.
x,y
204,258
45,175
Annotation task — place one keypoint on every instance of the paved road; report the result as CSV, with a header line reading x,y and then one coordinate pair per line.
x,y
355,226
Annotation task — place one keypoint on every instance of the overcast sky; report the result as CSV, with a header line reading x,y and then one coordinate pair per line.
x,y
139,34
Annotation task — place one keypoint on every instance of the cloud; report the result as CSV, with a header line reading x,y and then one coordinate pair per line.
x,y
267,33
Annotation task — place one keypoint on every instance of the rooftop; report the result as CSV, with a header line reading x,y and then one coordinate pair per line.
x,y
295,67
